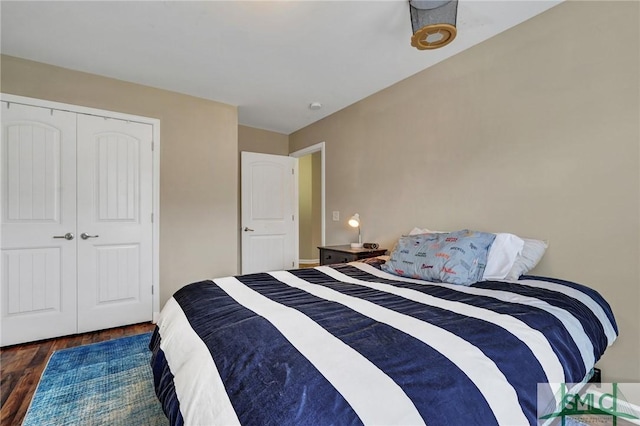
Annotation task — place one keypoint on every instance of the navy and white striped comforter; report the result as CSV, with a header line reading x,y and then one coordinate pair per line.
x,y
350,344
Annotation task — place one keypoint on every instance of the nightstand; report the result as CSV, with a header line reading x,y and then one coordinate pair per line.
x,y
344,254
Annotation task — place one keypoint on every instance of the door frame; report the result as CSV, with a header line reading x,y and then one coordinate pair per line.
x,y
155,123
318,147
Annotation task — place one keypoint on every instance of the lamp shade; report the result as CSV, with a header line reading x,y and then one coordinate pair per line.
x,y
433,23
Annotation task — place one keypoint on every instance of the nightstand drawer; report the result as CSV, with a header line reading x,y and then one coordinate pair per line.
x,y
345,254
330,256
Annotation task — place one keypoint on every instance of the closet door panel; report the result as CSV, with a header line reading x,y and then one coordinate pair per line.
x,y
38,182
114,214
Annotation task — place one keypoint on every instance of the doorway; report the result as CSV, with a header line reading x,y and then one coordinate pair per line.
x,y
311,203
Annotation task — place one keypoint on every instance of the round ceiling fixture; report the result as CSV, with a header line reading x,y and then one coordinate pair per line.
x,y
433,36
433,23
314,106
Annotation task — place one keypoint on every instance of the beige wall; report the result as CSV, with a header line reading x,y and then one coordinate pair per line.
x,y
198,163
535,132
262,141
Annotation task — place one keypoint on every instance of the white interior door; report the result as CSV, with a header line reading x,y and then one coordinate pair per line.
x,y
114,223
269,207
38,185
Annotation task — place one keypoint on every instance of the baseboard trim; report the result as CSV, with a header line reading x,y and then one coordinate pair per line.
x,y
308,261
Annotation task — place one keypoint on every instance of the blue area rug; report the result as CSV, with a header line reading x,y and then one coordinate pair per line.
x,y
106,383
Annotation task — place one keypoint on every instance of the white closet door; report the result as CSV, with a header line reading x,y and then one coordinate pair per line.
x,y
38,185
114,223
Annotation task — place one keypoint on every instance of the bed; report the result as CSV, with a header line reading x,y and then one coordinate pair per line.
x,y
357,344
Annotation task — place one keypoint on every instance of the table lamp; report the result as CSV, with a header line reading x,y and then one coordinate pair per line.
x,y
355,222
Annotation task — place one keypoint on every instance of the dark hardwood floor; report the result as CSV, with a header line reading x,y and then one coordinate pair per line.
x,y
22,365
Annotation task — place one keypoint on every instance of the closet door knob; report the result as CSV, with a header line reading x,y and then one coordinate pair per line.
x,y
247,229
86,236
68,236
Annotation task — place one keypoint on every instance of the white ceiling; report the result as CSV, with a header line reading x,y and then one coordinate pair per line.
x,y
269,58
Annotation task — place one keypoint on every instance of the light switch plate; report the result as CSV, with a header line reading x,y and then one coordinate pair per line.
x,y
336,216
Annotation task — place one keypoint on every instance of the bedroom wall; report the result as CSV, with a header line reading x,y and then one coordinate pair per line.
x,y
535,132
263,141
198,163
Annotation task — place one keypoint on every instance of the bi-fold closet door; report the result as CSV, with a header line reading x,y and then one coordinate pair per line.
x,y
76,236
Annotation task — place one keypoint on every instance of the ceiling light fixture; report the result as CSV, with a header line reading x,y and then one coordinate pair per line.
x,y
433,23
314,106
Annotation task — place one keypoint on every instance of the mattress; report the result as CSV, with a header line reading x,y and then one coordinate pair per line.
x,y
351,344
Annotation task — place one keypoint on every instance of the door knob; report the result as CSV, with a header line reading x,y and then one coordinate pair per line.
x,y
247,229
68,236
86,236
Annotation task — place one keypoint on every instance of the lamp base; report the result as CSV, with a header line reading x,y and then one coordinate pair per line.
x,y
356,245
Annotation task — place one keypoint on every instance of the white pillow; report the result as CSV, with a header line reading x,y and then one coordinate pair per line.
x,y
532,252
419,231
502,256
